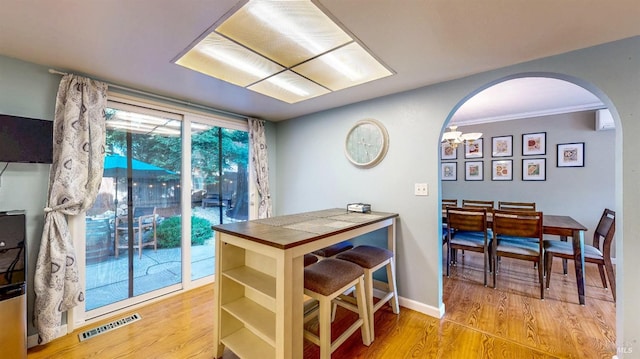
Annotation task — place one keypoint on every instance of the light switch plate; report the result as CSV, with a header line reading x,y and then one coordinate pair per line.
x,y
421,189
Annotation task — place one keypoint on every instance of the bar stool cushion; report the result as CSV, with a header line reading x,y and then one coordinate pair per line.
x,y
334,249
366,256
327,276
309,259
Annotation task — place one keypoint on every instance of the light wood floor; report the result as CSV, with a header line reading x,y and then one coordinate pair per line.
x,y
509,322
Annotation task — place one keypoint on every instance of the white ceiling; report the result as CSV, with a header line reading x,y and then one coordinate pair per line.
x,y
525,98
132,43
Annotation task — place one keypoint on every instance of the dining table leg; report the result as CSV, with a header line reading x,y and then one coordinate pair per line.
x,y
578,259
564,260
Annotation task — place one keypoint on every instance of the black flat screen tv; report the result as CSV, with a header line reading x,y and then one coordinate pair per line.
x,y
25,140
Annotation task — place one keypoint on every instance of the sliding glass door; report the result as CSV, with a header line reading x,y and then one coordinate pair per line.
x,y
149,231
133,242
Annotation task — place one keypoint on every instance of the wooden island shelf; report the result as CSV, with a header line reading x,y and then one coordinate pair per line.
x,y
259,276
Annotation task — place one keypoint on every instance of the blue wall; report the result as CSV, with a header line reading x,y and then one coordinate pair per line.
x,y
27,90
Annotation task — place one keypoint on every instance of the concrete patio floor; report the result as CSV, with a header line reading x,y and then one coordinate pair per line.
x,y
107,281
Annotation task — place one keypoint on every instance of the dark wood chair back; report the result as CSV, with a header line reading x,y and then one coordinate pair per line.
x,y
468,231
606,229
467,219
517,224
449,203
446,203
477,203
517,206
513,232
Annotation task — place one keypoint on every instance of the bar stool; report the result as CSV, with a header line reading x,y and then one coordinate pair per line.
x,y
310,304
309,259
325,281
334,249
371,259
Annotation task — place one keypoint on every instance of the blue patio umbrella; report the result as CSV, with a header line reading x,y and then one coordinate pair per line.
x,y
116,166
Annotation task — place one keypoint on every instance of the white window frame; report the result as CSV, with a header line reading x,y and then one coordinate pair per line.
x,y
78,316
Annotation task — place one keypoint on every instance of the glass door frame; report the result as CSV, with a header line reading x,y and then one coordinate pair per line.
x,y
78,316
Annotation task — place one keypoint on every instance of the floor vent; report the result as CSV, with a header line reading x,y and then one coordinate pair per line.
x,y
108,327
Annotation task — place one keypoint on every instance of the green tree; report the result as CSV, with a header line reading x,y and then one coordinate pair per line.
x,y
166,151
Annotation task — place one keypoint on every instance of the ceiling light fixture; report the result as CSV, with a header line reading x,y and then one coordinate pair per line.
x,y
289,50
454,137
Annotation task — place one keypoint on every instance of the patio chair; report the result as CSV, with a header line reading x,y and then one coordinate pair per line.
x,y
144,219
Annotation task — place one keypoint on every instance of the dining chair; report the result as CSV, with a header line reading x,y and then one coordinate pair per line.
x,y
517,206
599,252
477,203
518,235
446,203
144,219
473,203
468,232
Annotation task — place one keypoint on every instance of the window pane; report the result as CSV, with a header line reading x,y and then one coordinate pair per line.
x,y
138,207
219,194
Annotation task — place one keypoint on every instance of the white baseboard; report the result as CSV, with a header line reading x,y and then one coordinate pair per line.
x,y
422,308
413,305
32,340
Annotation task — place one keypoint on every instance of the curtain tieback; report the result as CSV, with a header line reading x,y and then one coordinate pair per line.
x,y
61,207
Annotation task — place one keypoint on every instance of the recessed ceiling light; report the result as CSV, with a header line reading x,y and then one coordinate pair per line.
x,y
288,50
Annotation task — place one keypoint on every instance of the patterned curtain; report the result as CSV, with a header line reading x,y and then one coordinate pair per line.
x,y
260,163
76,173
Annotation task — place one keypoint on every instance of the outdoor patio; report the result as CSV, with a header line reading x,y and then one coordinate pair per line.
x,y
107,278
107,281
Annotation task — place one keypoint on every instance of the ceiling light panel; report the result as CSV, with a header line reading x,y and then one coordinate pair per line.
x,y
286,49
347,66
288,32
221,58
289,87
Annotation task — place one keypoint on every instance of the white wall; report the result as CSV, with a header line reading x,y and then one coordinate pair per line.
x,y
313,172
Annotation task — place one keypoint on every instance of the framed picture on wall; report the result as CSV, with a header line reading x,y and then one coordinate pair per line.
x,y
449,171
473,149
534,144
502,170
502,146
571,154
448,152
534,169
473,171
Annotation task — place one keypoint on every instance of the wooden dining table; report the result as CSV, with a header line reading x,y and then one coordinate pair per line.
x,y
565,227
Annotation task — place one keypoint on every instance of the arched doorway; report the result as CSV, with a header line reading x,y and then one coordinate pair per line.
x,y
560,189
